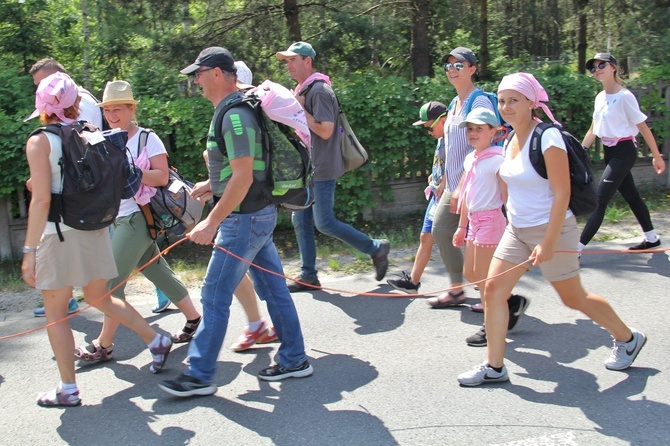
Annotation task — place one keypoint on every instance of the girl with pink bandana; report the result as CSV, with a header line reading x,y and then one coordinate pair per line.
x,y
540,225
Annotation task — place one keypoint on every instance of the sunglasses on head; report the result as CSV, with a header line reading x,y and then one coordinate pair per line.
x,y
600,66
458,66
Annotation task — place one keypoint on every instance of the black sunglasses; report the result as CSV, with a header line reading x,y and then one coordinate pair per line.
x,y
600,66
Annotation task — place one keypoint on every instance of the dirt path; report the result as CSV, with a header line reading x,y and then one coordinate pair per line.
x,y
626,229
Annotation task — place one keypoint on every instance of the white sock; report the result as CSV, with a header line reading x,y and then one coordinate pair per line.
x,y
580,247
651,236
68,388
156,342
253,326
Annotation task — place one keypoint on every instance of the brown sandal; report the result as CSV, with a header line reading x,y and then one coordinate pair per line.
x,y
99,353
185,336
447,300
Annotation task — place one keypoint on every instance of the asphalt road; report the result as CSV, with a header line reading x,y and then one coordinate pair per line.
x,y
385,373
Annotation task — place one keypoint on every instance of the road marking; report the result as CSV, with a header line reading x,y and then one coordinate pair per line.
x,y
562,439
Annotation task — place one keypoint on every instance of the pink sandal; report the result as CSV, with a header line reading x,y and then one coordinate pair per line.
x,y
99,353
447,300
56,398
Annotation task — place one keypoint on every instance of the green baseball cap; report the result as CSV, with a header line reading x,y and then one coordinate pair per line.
x,y
430,111
298,49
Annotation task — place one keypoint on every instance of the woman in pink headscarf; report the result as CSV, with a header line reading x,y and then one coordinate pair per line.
x,y
540,229
83,258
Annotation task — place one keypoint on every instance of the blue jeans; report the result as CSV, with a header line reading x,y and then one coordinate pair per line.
x,y
322,214
248,236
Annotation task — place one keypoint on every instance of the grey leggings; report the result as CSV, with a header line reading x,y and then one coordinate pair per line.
x,y
445,225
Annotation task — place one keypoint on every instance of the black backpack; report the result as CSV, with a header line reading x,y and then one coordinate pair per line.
x,y
93,175
583,191
289,181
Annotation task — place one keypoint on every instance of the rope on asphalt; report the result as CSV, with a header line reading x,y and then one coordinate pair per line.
x,y
251,264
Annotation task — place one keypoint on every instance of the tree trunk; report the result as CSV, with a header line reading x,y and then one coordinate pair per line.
x,y
86,32
292,14
484,47
419,48
580,6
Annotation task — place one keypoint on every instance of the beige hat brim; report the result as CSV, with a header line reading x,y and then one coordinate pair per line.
x,y
117,102
286,54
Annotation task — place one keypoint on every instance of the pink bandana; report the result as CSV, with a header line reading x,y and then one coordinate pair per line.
x,y
54,94
527,85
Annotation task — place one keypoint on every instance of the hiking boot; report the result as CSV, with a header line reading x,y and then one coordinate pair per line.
x,y
478,339
294,287
380,259
186,385
624,353
160,354
481,374
72,307
277,372
645,245
517,307
405,284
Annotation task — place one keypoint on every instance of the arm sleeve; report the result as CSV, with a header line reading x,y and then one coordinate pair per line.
x,y
552,137
632,109
239,132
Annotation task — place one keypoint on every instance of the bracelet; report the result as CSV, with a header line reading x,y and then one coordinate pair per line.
x,y
26,250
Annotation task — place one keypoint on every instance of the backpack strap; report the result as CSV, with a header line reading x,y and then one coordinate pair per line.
x,y
468,105
535,154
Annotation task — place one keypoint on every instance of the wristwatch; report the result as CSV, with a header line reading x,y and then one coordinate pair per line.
x,y
26,250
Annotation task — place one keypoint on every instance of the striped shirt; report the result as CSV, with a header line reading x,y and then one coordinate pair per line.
x,y
457,143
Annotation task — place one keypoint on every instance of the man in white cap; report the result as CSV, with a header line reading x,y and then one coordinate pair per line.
x,y
322,110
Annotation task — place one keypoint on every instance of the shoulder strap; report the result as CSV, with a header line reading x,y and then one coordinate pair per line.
x,y
306,89
536,156
468,105
218,121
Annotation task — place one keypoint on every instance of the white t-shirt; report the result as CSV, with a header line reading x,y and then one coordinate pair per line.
x,y
155,147
88,110
616,115
483,191
529,195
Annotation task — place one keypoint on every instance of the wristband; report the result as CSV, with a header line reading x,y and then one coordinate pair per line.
x,y
26,250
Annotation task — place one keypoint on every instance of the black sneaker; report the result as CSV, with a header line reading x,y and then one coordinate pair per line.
x,y
304,285
277,372
186,385
380,259
517,307
478,339
645,245
405,284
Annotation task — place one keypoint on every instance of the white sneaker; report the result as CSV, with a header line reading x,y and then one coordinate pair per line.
x,y
624,353
481,374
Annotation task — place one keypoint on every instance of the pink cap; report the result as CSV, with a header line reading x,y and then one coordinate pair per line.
x,y
54,94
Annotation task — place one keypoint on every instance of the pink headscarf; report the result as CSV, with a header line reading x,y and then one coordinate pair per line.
x,y
54,94
527,85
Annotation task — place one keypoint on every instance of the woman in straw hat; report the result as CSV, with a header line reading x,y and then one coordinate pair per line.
x,y
541,229
90,262
131,243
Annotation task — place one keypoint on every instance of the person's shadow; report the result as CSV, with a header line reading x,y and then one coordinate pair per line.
x,y
611,409
371,314
298,414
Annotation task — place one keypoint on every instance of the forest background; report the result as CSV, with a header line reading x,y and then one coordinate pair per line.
x,y
383,57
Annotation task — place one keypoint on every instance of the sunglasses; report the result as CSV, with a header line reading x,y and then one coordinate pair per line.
x,y
435,121
456,65
199,72
600,66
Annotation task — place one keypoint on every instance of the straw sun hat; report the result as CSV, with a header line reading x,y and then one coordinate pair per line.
x,y
117,92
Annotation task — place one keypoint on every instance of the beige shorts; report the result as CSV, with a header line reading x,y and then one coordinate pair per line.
x,y
517,244
82,257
